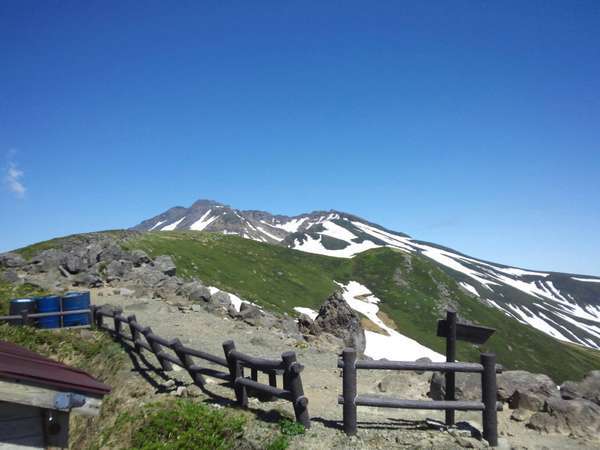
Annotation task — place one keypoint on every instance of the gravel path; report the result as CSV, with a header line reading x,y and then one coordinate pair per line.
x,y
378,428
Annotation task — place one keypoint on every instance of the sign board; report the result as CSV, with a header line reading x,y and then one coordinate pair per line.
x,y
475,334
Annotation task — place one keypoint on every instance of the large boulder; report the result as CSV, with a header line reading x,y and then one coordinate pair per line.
x,y
117,270
11,260
48,260
588,388
220,300
112,252
11,276
88,279
521,389
93,252
139,257
75,263
165,264
525,390
147,276
337,318
196,292
578,417
467,386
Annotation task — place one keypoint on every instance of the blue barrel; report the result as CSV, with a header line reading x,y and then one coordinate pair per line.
x,y
73,301
46,304
18,305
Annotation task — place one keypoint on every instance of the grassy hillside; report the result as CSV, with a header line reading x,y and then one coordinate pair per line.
x,y
413,290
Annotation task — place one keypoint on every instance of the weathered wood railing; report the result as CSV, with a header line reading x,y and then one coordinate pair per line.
x,y
488,406
169,352
27,318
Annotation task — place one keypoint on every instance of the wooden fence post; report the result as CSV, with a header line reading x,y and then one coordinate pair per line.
x,y
273,379
450,357
187,362
349,390
117,323
99,318
156,349
235,371
24,318
488,390
135,334
294,385
93,315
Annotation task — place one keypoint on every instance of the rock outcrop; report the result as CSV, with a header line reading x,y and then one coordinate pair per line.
x,y
577,417
518,388
588,388
338,319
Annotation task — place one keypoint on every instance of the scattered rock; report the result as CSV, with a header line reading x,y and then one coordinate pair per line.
x,y
11,260
519,388
520,415
287,325
468,386
87,279
165,264
249,311
221,299
196,308
588,388
139,257
578,417
422,360
116,270
12,277
74,264
112,253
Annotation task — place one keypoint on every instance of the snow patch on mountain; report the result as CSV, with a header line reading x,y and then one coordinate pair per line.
x,y
203,221
587,280
315,245
172,226
469,288
306,311
394,346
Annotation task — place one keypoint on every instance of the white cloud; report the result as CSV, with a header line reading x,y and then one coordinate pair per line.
x,y
13,181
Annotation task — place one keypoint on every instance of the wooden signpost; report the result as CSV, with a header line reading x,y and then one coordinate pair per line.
x,y
453,331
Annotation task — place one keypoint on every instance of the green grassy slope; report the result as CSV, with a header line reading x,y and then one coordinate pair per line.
x,y
414,293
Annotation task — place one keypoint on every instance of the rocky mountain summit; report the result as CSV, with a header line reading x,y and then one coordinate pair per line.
x,y
564,306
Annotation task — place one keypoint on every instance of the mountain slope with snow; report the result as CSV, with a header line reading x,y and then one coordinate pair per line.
x,y
564,306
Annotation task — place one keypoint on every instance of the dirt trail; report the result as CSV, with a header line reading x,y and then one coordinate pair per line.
x,y
378,428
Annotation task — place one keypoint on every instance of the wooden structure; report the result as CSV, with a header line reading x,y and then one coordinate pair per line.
x,y
453,331
199,363
488,405
29,319
37,395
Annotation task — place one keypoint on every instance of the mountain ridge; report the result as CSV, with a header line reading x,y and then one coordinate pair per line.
x,y
564,306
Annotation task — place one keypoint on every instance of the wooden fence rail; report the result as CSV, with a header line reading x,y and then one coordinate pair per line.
x,y
169,352
27,318
488,406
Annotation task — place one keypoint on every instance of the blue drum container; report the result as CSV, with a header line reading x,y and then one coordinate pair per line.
x,y
73,301
17,306
46,304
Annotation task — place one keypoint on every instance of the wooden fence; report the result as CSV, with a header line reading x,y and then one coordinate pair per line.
x,y
169,352
488,405
28,319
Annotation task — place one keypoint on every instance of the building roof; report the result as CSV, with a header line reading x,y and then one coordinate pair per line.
x,y
18,363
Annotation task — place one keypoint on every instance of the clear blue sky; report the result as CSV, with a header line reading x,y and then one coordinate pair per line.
x,y
473,124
